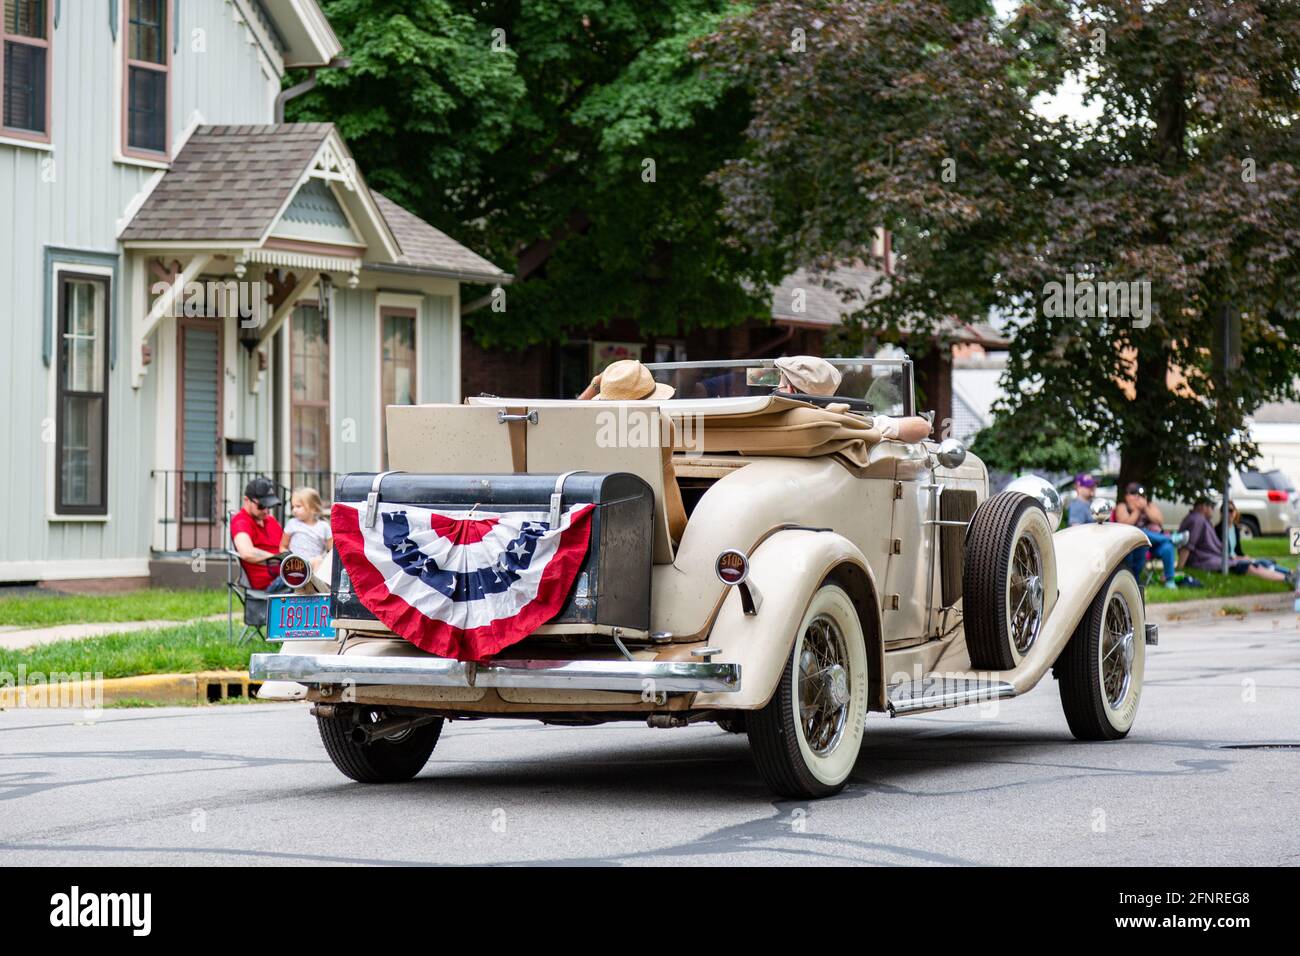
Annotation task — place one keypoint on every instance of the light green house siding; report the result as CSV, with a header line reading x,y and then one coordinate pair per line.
x,y
70,196
62,207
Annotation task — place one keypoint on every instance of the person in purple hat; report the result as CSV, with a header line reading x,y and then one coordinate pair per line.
x,y
1085,486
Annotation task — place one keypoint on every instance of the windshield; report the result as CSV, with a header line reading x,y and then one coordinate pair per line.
x,y
885,384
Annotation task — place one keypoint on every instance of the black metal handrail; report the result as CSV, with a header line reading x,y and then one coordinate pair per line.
x,y
195,504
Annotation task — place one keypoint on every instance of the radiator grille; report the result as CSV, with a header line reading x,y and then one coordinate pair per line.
x,y
954,505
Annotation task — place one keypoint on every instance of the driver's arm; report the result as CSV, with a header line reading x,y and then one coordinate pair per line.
x,y
910,429
247,552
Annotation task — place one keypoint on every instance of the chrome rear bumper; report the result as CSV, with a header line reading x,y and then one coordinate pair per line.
x,y
636,676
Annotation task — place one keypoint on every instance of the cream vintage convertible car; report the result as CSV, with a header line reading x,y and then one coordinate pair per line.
x,y
765,561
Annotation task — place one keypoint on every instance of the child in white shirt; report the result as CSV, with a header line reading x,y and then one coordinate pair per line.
x,y
307,533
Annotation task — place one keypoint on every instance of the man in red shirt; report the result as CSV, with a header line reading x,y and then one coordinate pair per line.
x,y
257,534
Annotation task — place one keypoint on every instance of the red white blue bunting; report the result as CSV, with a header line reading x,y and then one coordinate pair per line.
x,y
460,584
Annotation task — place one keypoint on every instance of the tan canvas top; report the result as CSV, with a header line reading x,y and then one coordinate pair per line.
x,y
753,425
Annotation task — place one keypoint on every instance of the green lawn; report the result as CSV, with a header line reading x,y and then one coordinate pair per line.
x,y
1232,585
151,604
201,646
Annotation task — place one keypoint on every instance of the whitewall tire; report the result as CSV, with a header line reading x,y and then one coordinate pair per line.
x,y
807,738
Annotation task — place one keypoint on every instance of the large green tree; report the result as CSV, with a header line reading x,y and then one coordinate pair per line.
x,y
567,140
914,115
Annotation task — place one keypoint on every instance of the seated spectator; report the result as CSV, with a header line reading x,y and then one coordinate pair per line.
x,y
1085,486
257,534
1205,549
1135,509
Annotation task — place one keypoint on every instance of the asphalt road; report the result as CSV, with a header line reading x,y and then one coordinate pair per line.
x,y
252,785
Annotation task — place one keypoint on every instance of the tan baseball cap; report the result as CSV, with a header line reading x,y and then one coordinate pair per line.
x,y
628,380
809,374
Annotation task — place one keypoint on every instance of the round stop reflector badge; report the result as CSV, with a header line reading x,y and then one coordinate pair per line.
x,y
732,567
295,571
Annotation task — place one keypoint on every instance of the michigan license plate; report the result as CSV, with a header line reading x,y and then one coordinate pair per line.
x,y
300,618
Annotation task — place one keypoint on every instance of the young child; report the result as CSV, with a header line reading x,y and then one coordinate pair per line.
x,y
307,533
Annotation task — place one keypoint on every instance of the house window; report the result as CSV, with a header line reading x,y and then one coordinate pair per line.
x,y
309,395
81,426
25,63
397,367
147,80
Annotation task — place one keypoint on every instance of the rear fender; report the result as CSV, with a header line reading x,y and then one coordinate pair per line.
x,y
787,569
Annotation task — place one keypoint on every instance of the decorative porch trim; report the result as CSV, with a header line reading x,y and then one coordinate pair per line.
x,y
78,257
143,325
312,262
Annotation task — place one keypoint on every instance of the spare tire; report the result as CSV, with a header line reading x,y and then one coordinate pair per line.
x,y
1008,581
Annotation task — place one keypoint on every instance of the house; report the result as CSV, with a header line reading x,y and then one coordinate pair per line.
x,y
193,292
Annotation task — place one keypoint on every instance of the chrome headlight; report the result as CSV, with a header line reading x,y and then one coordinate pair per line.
x,y
1042,491
1100,509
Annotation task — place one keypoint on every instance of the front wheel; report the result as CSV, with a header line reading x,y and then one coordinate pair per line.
x,y
805,741
386,760
1101,669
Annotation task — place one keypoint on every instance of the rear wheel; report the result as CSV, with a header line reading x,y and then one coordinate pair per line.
x,y
386,760
806,740
1249,526
1102,667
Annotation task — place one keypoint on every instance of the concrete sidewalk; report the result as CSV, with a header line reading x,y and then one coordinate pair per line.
x,y
14,638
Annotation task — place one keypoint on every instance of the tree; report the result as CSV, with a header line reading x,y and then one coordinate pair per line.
x,y
908,114
1185,186
567,140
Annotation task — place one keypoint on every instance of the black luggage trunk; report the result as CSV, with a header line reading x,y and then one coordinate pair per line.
x,y
613,586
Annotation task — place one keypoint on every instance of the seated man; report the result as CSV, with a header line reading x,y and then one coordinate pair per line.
x,y
1205,549
816,376
257,534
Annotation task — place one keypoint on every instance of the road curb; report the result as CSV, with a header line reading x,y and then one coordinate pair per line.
x,y
1282,602
199,688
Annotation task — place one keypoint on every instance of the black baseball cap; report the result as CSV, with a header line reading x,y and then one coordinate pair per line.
x,y
263,491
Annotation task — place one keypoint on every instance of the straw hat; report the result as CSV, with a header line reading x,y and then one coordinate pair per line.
x,y
629,380
809,374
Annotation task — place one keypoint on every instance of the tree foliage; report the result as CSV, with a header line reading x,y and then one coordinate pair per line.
x,y
908,114
524,130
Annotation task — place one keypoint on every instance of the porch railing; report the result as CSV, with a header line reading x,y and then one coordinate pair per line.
x,y
192,507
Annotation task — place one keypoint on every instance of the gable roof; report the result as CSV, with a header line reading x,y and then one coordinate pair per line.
x,y
227,183
232,184
427,249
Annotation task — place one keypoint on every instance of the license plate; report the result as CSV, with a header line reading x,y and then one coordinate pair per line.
x,y
300,618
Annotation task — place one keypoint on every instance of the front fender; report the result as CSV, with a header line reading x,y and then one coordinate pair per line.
x,y
786,569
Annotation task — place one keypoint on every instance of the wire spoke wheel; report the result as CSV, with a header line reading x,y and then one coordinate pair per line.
x,y
824,688
1026,593
807,737
1117,651
1102,667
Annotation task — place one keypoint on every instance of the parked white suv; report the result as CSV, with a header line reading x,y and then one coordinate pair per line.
x,y
1267,500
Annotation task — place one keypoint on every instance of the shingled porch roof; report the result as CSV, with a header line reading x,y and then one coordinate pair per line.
x,y
230,184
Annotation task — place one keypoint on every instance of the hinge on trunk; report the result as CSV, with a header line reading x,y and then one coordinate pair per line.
x,y
898,490
896,546
891,602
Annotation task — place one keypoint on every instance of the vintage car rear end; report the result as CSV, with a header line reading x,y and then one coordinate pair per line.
x,y
755,560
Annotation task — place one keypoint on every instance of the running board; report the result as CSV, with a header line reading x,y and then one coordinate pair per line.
x,y
941,693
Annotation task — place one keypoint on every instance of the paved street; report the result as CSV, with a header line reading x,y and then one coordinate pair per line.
x,y
252,784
